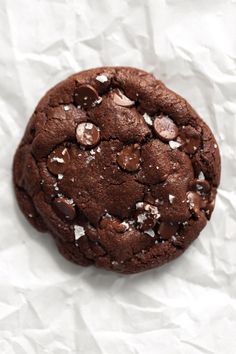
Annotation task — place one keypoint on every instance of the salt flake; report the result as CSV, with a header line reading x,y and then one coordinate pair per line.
x,y
56,187
150,232
114,263
147,119
141,218
70,201
89,159
58,159
126,225
78,231
174,144
201,176
102,78
171,198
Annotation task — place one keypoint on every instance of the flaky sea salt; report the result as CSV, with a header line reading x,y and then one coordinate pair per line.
x,y
171,198
201,176
58,159
89,159
147,119
150,232
66,108
139,205
56,187
114,263
102,78
98,101
60,176
174,144
141,218
153,210
70,201
126,225
78,231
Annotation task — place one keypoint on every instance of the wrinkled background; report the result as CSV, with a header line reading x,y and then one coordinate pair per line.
x,y
48,305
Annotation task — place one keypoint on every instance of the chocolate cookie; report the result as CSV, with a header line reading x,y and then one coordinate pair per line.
x,y
121,170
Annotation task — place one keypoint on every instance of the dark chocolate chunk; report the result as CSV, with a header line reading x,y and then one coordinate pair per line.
x,y
65,207
86,96
58,160
129,157
87,134
165,128
121,100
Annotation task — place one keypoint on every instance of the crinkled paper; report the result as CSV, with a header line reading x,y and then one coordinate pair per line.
x,y
50,306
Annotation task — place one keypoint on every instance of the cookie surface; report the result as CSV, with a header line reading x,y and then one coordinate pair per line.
x,y
118,168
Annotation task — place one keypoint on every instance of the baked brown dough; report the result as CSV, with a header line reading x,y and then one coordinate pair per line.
x,y
118,168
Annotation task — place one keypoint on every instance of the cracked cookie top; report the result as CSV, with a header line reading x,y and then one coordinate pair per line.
x,y
121,170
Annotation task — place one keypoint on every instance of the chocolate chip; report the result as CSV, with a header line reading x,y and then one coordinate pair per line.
x,y
194,201
86,96
58,160
200,185
65,207
111,223
190,139
121,100
165,128
166,230
146,216
129,158
87,134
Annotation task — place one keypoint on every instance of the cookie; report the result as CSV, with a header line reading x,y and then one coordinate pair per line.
x,y
118,168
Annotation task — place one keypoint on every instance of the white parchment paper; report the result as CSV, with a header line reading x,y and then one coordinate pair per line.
x,y
48,305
